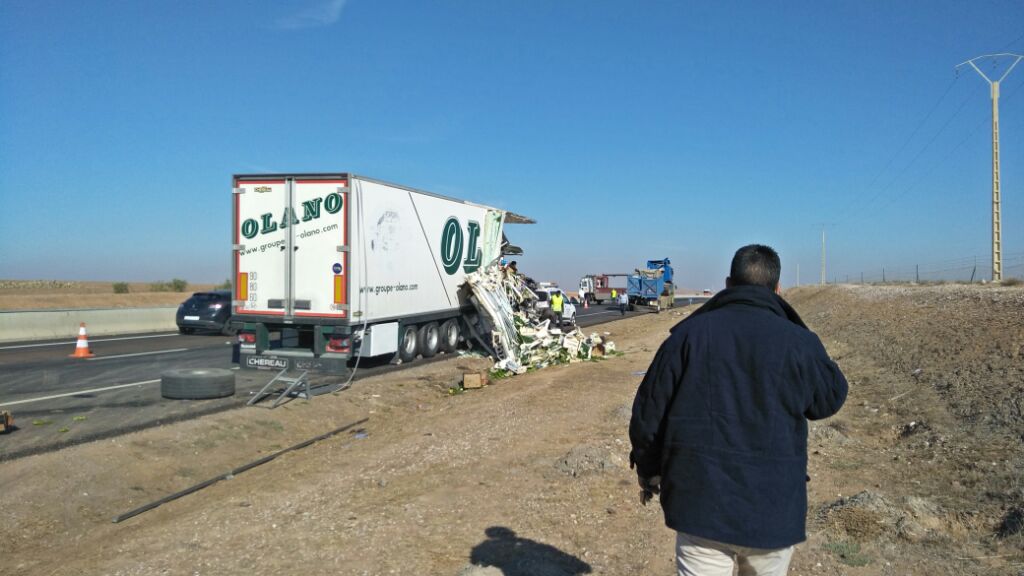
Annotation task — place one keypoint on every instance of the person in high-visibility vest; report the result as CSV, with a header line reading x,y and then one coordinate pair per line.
x,y
614,295
557,303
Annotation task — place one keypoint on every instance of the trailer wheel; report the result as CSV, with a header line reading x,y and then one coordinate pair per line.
x,y
408,344
429,339
450,333
197,383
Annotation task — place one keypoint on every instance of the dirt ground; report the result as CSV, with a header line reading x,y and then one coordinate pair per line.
x,y
49,294
919,474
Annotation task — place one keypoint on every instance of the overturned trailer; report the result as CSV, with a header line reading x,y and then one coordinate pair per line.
x,y
332,266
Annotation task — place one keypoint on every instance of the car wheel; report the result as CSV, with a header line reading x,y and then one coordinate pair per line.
x,y
429,339
450,332
407,345
197,383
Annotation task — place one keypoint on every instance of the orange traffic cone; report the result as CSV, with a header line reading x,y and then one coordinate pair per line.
x,y
82,346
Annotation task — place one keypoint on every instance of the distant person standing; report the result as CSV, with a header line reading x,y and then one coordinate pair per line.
x,y
615,295
557,305
719,424
623,303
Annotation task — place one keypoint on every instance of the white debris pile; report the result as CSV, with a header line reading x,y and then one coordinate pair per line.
x,y
520,339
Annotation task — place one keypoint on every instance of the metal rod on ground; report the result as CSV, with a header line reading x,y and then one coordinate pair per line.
x,y
235,472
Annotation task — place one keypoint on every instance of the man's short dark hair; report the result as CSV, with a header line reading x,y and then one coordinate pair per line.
x,y
756,265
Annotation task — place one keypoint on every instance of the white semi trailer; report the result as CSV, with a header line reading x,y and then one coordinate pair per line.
x,y
332,266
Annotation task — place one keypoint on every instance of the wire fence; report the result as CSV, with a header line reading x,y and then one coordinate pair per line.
x,y
966,269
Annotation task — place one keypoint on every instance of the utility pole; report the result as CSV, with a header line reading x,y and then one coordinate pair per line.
x,y
823,255
997,224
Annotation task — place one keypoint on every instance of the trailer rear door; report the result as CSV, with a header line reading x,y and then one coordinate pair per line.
x,y
291,253
320,247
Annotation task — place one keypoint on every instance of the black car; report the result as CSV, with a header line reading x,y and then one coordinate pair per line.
x,y
205,311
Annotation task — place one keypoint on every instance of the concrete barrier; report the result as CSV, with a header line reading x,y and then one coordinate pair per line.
x,y
48,324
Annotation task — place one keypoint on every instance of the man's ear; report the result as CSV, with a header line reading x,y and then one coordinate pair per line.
x,y
778,287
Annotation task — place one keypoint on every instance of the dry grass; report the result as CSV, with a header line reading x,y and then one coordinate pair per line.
x,y
54,294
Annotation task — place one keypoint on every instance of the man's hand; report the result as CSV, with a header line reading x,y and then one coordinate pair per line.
x,y
650,487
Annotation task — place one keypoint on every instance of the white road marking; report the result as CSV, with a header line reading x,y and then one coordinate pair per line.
x,y
89,391
75,341
137,354
598,313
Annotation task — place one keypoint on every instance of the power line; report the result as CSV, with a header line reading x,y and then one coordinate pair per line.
x,y
907,141
916,157
1018,39
940,161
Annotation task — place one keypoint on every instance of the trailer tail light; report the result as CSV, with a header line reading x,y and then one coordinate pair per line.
x,y
243,286
339,344
247,339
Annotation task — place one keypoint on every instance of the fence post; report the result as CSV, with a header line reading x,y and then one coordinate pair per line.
x,y
917,273
883,275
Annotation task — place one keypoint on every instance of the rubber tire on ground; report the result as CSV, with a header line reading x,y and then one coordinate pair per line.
x,y
408,344
429,339
450,333
197,383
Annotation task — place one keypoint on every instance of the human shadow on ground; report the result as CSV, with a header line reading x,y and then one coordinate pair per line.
x,y
516,556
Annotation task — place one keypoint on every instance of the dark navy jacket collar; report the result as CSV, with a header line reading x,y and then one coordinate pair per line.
x,y
756,296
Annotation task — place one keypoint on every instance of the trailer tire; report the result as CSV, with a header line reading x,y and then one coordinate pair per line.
x,y
197,383
450,334
429,339
408,345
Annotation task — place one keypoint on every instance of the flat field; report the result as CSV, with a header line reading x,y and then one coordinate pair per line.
x,y
50,294
919,474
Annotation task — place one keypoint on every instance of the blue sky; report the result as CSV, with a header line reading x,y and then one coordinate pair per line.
x,y
629,130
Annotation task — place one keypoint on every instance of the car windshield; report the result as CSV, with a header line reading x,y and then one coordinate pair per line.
x,y
207,298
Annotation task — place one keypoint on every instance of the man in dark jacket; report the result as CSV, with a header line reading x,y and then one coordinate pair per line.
x,y
720,424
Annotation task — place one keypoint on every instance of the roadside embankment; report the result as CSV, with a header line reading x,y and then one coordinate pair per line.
x,y
919,474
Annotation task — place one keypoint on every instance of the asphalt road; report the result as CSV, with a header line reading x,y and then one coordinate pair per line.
x,y
58,401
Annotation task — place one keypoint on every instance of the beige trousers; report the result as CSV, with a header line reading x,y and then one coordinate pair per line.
x,y
697,556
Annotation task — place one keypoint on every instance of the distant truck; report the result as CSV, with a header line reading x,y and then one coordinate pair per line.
x,y
597,288
652,286
337,265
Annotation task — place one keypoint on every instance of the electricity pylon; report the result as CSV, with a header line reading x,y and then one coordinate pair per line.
x,y
997,224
